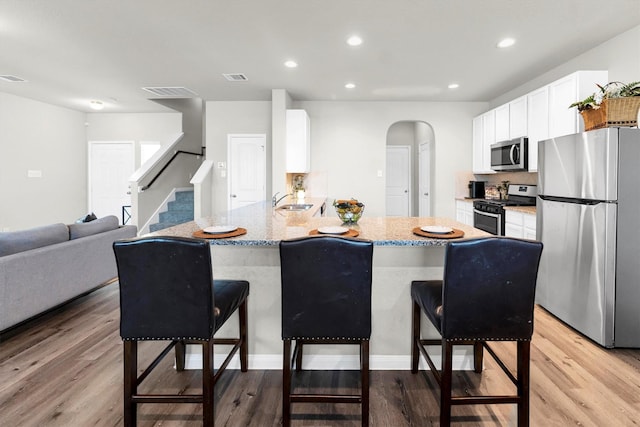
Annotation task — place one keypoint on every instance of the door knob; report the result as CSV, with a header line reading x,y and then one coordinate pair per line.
x,y
406,191
233,195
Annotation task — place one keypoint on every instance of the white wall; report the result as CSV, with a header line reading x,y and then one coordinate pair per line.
x,y
50,139
133,127
224,118
619,55
348,141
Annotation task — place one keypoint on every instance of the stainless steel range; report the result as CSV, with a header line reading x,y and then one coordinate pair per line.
x,y
488,214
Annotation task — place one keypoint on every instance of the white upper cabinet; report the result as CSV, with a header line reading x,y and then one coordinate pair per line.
x,y
298,141
518,118
541,114
484,134
502,123
537,122
564,92
489,129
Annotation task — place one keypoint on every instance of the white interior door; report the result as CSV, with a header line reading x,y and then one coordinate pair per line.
x,y
111,164
424,179
398,180
247,169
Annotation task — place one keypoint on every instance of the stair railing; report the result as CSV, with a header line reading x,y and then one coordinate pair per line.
x,y
175,154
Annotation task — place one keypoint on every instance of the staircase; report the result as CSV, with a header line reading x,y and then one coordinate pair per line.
x,y
178,211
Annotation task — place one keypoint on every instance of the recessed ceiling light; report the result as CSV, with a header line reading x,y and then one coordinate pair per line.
x,y
506,42
96,105
453,86
291,64
354,41
350,85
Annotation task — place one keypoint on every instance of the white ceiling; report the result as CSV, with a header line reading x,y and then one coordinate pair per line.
x,y
72,51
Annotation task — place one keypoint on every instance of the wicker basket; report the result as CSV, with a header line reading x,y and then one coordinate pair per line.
x,y
613,112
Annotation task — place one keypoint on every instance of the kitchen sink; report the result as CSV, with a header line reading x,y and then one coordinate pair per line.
x,y
296,207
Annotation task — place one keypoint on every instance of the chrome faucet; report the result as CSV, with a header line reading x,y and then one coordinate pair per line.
x,y
275,200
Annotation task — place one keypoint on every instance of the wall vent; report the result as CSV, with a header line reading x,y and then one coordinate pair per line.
x,y
236,77
12,79
175,92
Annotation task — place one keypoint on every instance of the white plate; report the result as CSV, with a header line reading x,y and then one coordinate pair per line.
x,y
220,229
333,230
436,229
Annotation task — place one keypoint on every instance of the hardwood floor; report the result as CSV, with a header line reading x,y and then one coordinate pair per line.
x,y
66,370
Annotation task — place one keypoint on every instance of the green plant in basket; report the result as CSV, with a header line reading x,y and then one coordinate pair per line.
x,y
349,211
611,90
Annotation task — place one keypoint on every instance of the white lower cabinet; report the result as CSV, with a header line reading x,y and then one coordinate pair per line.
x,y
464,212
529,226
520,225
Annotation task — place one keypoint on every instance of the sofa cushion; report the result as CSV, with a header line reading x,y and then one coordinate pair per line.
x,y
24,240
96,226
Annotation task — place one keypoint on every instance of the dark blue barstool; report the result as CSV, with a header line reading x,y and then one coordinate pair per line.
x,y
326,299
167,292
487,294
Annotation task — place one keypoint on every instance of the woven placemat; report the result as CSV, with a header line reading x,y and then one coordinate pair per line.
x,y
350,233
202,235
455,234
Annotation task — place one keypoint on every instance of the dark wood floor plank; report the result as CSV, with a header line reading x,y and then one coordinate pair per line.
x,y
65,369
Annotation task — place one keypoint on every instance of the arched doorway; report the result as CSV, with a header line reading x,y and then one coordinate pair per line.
x,y
409,164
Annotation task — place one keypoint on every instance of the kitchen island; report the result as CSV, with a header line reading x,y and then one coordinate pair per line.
x,y
399,257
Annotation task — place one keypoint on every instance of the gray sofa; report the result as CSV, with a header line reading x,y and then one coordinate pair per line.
x,y
43,267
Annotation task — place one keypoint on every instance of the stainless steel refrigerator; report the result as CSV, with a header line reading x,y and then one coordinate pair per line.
x,y
588,217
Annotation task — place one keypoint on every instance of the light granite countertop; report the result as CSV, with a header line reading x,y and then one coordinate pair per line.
x,y
267,226
523,209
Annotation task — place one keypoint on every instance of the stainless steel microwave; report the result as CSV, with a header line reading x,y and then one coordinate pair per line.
x,y
510,155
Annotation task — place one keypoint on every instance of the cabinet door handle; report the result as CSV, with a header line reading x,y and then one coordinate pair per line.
x,y
233,195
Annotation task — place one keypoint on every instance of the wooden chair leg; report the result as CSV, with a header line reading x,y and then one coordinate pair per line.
x,y
181,354
208,404
298,354
286,383
415,327
364,371
130,381
523,382
244,344
478,356
446,375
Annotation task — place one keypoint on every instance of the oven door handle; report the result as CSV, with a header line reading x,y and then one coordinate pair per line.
x,y
486,213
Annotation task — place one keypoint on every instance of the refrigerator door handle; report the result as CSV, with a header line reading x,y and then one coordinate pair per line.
x,y
588,202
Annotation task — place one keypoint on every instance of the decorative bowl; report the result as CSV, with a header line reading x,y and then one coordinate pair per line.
x,y
349,211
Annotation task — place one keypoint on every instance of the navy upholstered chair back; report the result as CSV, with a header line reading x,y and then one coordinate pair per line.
x,y
489,288
166,288
326,287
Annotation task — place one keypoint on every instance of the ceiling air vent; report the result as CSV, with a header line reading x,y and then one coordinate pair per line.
x,y
236,77
176,92
12,79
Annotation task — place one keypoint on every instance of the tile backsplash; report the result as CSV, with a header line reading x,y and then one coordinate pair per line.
x,y
492,181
